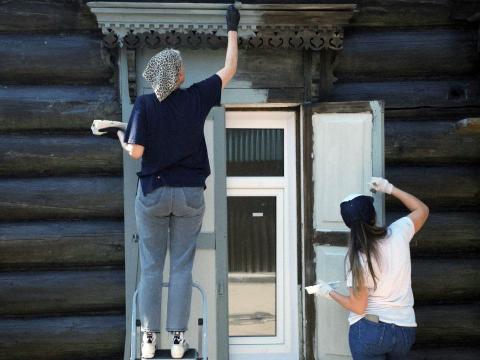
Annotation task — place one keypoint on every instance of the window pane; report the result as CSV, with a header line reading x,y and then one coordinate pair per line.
x,y
252,265
255,152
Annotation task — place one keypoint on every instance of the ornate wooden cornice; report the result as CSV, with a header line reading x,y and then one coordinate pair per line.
x,y
155,25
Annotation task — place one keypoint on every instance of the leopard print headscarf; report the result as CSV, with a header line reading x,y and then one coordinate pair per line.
x,y
162,72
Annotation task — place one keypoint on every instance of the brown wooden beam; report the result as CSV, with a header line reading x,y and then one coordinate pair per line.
x,y
59,338
61,198
62,292
61,244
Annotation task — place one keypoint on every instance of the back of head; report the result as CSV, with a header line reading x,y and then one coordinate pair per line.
x,y
162,72
359,215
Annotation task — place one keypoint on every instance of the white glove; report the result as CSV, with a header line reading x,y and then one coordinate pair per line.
x,y
378,184
321,289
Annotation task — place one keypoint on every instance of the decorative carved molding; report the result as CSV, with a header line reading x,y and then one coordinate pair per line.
x,y
157,25
308,39
136,25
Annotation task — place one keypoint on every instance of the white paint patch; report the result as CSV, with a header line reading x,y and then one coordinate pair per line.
x,y
331,318
342,163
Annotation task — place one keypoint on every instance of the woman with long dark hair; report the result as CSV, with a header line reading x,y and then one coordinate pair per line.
x,y
378,270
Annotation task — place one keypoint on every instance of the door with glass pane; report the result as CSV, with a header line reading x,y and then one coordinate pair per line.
x,y
261,204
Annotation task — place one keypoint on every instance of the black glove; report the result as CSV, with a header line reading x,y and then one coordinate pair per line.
x,y
110,132
233,18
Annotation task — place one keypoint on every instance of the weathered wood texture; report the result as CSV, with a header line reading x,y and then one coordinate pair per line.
x,y
448,325
25,108
432,142
53,59
45,16
445,280
411,94
403,13
61,244
62,15
370,55
65,198
457,353
445,234
62,292
441,188
453,113
59,338
47,155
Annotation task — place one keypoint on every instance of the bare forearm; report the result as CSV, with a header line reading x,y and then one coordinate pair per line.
x,y
418,210
231,59
348,302
135,151
411,202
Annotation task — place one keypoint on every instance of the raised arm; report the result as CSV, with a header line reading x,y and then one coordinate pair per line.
x,y
418,210
231,58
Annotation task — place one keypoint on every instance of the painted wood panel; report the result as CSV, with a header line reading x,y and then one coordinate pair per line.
x,y
342,163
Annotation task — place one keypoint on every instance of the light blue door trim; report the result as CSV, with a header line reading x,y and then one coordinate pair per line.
x,y
221,244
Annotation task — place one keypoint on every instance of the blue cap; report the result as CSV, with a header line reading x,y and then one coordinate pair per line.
x,y
357,207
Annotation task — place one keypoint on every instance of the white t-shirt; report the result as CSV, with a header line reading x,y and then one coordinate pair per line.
x,y
392,300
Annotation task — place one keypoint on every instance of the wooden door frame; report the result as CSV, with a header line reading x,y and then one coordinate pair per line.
x,y
310,236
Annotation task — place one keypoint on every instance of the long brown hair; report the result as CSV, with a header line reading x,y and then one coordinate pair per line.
x,y
364,239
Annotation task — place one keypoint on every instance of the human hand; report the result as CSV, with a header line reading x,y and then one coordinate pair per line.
x,y
378,184
321,288
233,18
110,132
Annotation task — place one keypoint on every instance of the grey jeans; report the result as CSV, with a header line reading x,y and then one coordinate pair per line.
x,y
167,216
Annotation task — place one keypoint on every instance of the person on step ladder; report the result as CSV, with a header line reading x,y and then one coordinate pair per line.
x,y
165,130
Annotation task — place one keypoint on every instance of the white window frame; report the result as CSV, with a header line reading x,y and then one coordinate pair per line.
x,y
285,345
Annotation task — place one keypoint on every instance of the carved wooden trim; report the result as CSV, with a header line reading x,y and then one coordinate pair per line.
x,y
157,25
307,39
132,74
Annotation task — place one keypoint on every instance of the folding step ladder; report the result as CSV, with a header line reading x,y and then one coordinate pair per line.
x,y
136,338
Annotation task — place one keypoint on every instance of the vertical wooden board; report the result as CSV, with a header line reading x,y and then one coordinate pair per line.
x,y
342,163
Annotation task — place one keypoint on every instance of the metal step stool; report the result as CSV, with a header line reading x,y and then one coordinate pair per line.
x,y
136,338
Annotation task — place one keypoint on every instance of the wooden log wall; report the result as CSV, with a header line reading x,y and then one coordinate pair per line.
x,y
61,203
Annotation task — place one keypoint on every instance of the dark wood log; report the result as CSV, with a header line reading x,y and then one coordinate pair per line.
x,y
53,59
445,234
466,353
45,15
431,113
448,325
257,70
56,107
379,13
59,338
61,292
411,94
54,198
40,155
431,142
449,187
61,244
445,280
369,54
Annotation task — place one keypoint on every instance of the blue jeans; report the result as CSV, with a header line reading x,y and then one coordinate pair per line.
x,y
370,340
168,215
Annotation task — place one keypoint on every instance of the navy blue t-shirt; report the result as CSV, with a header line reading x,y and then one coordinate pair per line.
x,y
172,133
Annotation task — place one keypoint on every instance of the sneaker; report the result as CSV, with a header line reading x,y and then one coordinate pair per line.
x,y
179,345
148,344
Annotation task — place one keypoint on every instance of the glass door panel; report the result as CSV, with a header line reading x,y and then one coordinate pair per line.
x,y
252,265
